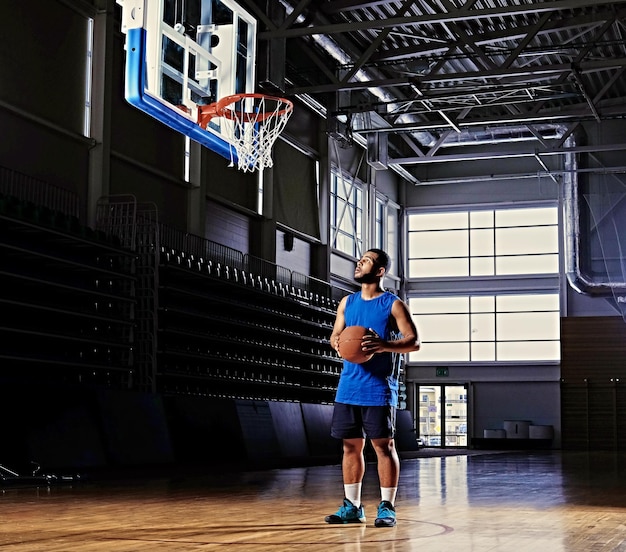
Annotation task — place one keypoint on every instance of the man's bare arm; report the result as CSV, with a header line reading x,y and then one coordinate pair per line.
x,y
339,325
410,338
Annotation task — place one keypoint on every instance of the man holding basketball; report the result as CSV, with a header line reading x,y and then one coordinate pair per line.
x,y
367,394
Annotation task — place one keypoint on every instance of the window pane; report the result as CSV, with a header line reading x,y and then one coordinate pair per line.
x,y
343,189
444,327
527,264
345,244
346,224
346,217
378,226
438,267
440,244
528,302
528,325
483,327
482,266
485,303
441,352
526,217
519,241
482,242
438,221
483,351
481,219
392,228
527,351
428,305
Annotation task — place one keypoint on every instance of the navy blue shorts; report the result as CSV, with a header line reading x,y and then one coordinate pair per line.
x,y
356,422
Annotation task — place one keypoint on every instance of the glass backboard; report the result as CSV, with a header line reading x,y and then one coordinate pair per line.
x,y
183,54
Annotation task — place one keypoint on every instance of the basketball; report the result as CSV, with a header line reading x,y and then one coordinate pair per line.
x,y
350,344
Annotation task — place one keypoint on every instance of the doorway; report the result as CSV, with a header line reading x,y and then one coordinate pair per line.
x,y
442,415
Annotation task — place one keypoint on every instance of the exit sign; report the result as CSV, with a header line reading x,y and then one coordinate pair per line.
x,y
441,372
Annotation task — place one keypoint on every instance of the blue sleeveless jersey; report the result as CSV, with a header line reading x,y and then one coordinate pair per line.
x,y
375,382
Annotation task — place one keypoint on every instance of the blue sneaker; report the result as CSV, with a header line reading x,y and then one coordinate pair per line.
x,y
386,515
348,513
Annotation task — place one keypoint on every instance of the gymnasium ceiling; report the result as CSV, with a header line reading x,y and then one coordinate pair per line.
x,y
440,80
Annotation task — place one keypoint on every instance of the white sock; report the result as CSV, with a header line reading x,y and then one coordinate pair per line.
x,y
388,494
353,493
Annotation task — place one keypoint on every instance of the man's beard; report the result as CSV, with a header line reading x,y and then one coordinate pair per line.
x,y
368,278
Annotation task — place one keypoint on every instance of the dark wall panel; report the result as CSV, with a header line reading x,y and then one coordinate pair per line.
x,y
138,136
317,421
53,427
43,69
227,227
228,184
204,431
259,436
295,190
289,426
405,434
134,428
36,150
593,389
148,187
593,348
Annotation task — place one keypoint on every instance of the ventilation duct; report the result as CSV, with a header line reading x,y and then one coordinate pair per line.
x,y
503,134
576,276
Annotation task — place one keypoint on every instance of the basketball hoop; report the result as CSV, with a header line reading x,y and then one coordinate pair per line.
x,y
251,122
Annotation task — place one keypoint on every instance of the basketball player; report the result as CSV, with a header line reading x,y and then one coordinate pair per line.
x,y
367,395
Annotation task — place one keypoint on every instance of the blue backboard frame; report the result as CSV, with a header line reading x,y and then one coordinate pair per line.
x,y
222,63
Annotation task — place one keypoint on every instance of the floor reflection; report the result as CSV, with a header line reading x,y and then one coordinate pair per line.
x,y
470,501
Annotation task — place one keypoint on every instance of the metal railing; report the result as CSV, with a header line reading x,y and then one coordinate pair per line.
x,y
191,245
39,192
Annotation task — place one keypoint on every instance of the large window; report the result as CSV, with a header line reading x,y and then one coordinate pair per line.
x,y
360,221
488,328
346,215
386,230
88,79
509,258
486,242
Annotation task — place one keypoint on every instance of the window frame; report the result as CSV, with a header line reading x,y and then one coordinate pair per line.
x,y
485,285
467,230
351,186
386,235
375,230
497,342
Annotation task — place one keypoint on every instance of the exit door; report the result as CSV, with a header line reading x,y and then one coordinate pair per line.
x,y
443,415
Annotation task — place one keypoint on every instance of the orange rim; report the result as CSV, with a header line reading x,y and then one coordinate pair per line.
x,y
221,107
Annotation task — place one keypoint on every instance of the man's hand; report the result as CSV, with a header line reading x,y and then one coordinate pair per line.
x,y
335,344
372,342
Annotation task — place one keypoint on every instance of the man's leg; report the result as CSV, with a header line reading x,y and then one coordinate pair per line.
x,y
388,462
388,475
353,470
353,461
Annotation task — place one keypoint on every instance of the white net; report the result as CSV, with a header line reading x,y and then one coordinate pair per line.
x,y
253,124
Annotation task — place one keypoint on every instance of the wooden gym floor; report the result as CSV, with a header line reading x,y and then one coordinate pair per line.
x,y
471,501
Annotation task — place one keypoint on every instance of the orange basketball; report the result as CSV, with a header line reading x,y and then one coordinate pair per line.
x,y
350,344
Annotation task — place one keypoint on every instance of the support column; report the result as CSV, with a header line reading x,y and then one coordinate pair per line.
x,y
101,90
263,229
